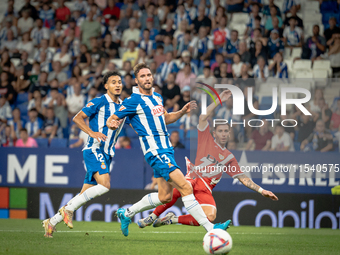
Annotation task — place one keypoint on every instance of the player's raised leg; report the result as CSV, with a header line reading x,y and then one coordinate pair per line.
x,y
149,201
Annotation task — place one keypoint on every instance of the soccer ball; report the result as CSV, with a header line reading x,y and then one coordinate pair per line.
x,y
217,241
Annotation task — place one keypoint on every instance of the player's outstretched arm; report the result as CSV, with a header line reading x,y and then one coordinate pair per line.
x,y
79,120
113,122
202,122
246,181
174,116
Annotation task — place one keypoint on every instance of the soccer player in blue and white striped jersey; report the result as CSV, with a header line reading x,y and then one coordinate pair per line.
x,y
146,113
98,151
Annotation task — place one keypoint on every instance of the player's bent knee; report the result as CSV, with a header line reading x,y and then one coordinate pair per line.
x,y
186,189
211,217
165,198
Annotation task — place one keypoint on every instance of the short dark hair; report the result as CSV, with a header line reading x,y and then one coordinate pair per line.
x,y
215,126
146,30
258,18
109,74
23,129
139,67
33,110
128,75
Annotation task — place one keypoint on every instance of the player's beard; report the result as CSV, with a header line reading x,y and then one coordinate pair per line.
x,y
144,87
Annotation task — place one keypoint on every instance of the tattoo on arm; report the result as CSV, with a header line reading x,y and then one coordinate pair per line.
x,y
246,181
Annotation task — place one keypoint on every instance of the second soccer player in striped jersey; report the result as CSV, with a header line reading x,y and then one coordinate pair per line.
x,y
146,113
98,151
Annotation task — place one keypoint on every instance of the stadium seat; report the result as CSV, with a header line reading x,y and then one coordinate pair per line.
x,y
58,143
239,18
323,65
287,53
316,18
118,62
241,28
15,61
42,142
22,98
311,6
296,53
320,77
302,64
70,5
304,74
320,74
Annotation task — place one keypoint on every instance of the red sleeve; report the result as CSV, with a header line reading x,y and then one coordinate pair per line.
x,y
204,135
233,169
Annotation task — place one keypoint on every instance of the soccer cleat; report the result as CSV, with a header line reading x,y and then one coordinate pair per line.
x,y
49,228
146,222
124,221
67,216
167,220
223,226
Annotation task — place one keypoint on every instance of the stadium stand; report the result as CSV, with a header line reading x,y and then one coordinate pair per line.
x,y
47,46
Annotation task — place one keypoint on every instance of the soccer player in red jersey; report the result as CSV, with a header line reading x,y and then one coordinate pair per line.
x,y
212,159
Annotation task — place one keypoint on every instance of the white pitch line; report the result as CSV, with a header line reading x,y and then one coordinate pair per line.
x,y
153,232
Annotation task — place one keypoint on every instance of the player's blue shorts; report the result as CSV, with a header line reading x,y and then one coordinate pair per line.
x,y
97,161
162,164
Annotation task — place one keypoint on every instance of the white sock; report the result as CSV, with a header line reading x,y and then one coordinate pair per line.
x,y
195,209
153,216
147,202
56,219
87,195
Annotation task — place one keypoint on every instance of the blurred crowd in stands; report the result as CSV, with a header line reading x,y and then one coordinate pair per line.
x,y
54,54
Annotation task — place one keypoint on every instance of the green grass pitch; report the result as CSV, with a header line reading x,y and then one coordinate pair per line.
x,y
26,237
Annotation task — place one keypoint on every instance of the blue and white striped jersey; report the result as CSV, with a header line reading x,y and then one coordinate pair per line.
x,y
99,110
146,114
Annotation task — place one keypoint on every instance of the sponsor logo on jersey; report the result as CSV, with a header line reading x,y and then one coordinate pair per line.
x,y
122,108
221,156
157,110
89,104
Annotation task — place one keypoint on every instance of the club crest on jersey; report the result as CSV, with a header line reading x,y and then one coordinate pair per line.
x,y
221,156
122,108
170,165
103,166
89,104
158,99
157,110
